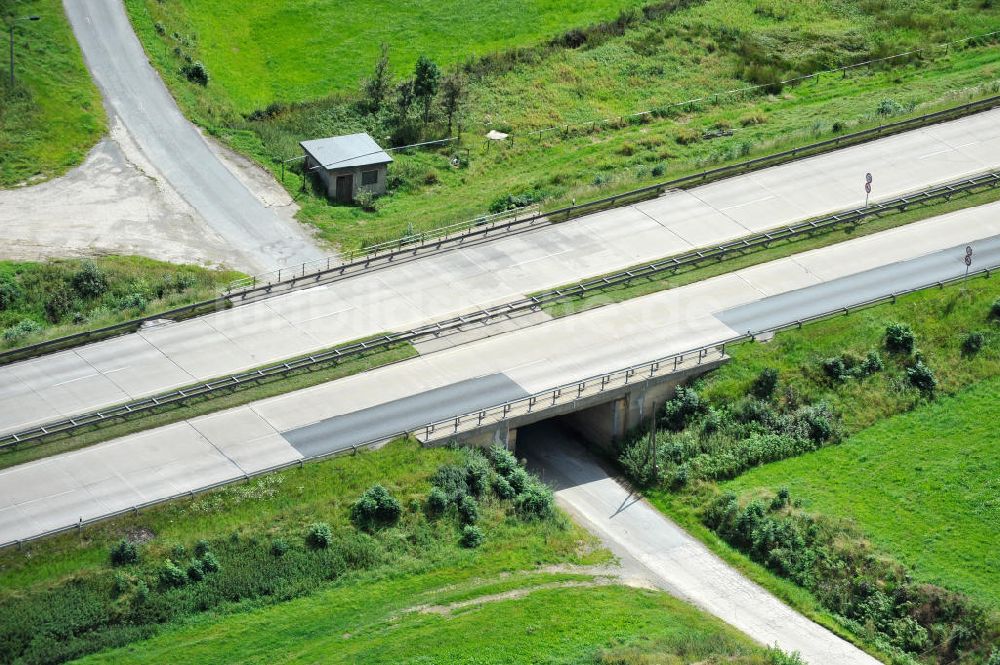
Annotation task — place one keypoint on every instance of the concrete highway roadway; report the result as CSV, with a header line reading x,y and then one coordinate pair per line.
x,y
134,92
653,547
59,490
436,287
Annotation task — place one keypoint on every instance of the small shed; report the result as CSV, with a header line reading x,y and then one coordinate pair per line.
x,y
347,164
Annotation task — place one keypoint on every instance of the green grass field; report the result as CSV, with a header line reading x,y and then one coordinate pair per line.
x,y
53,115
702,47
305,51
923,486
536,590
535,623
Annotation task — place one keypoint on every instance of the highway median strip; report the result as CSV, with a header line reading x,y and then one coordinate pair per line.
x,y
561,301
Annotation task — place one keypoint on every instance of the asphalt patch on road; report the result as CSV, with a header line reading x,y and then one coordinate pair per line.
x,y
854,289
403,415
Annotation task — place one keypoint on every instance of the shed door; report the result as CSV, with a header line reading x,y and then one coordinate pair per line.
x,y
345,187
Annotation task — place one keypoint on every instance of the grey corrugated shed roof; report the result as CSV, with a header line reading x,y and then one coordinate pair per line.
x,y
339,152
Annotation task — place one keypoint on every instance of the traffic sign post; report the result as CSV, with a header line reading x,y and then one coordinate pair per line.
x,y
968,265
868,187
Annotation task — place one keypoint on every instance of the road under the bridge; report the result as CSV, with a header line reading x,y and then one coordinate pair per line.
x,y
653,547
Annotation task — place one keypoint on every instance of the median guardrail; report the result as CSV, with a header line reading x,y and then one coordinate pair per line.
x,y
506,410
852,217
332,269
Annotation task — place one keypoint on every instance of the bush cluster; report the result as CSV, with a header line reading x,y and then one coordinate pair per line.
x,y
846,366
833,564
375,508
700,442
899,338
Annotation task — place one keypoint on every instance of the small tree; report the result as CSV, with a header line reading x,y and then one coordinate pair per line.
x,y
678,411
58,304
426,80
376,507
123,552
472,536
452,96
319,536
9,294
437,501
477,475
899,338
376,88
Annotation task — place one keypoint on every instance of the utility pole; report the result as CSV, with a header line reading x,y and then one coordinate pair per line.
x,y
13,21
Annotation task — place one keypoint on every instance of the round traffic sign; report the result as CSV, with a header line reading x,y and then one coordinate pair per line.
x,y
868,188
968,250
868,177
968,259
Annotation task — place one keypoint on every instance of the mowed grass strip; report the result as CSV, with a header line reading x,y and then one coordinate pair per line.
x,y
605,623
53,115
924,486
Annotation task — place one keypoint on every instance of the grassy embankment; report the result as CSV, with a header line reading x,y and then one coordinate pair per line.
x,y
885,537
53,115
41,301
631,64
405,585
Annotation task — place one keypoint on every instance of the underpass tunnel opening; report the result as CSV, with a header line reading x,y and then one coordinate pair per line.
x,y
551,449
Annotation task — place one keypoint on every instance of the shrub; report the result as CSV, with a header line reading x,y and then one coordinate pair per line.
x,y
201,548
171,576
195,72
9,294
872,364
678,411
995,310
123,552
502,488
687,136
178,552
468,510
196,570
658,170
994,657
58,304
451,480
889,107
20,330
376,507
472,536
365,199
535,502
89,281
477,475
922,378
899,338
278,547
518,479
133,301
503,460
835,368
319,536
437,501
972,344
765,383
210,563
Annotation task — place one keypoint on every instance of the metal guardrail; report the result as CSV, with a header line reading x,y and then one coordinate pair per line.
x,y
434,244
570,392
506,410
485,316
371,252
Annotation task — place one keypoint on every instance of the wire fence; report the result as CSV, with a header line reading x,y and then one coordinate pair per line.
x,y
715,97
427,242
514,408
485,316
